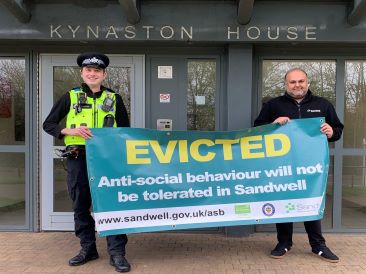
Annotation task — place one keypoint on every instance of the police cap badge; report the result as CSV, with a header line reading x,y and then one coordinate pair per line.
x,y
93,59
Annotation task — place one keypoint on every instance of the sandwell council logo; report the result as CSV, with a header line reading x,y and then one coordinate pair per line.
x,y
290,207
268,209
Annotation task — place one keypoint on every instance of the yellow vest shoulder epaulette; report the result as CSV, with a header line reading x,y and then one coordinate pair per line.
x,y
109,94
76,89
109,90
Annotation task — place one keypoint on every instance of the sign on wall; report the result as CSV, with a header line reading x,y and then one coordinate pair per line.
x,y
186,22
165,72
164,97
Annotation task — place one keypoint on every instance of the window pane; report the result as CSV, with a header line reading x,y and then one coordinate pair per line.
x,y
354,192
12,189
321,74
64,79
61,198
354,134
12,111
328,214
119,80
201,95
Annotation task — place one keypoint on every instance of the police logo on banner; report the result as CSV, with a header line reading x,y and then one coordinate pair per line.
x,y
268,209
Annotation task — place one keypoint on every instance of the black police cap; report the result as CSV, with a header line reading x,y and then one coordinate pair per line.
x,y
94,59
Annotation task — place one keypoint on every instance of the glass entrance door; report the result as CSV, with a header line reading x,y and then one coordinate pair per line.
x,y
186,96
59,74
15,179
354,142
189,97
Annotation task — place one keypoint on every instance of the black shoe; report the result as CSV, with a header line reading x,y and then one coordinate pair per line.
x,y
326,254
280,250
120,263
83,257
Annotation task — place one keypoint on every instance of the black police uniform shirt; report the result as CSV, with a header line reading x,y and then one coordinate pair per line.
x,y
311,106
62,107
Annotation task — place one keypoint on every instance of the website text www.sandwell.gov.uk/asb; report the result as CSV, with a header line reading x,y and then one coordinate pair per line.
x,y
162,216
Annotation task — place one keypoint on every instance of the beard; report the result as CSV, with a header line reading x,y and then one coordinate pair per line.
x,y
297,95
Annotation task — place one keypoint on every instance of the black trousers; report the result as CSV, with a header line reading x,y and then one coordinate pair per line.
x,y
313,229
79,191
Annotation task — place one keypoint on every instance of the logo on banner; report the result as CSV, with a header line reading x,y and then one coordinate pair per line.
x,y
243,210
300,207
307,207
268,209
290,207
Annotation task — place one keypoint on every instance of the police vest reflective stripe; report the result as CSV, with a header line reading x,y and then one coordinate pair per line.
x,y
88,114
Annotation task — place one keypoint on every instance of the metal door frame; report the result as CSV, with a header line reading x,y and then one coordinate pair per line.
x,y
27,148
51,220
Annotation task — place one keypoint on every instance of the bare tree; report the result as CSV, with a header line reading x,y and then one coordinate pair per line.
x,y
201,95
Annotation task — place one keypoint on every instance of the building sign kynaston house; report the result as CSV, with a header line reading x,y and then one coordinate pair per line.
x,y
184,33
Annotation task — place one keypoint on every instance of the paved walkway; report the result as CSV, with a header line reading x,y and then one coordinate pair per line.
x,y
160,253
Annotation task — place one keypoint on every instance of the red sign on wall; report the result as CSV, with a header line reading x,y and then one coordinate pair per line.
x,y
164,97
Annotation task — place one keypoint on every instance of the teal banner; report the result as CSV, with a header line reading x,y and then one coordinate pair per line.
x,y
148,180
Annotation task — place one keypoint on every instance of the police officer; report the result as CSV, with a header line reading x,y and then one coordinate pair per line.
x,y
299,102
89,106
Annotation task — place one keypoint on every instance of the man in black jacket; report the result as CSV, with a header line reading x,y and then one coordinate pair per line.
x,y
298,102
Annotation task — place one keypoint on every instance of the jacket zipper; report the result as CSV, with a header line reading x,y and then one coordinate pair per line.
x,y
299,110
95,112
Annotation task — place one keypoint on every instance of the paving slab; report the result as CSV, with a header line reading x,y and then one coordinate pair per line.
x,y
176,253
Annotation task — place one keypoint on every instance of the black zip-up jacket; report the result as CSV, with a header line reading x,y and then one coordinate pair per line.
x,y
62,107
311,106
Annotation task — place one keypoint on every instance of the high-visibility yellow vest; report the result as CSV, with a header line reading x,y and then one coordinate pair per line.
x,y
89,114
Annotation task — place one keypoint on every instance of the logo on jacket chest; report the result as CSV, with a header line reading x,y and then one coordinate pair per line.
x,y
88,106
314,110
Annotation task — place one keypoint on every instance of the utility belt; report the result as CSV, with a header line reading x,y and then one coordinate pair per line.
x,y
73,151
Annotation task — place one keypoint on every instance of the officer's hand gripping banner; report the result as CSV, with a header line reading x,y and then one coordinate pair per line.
x,y
147,180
